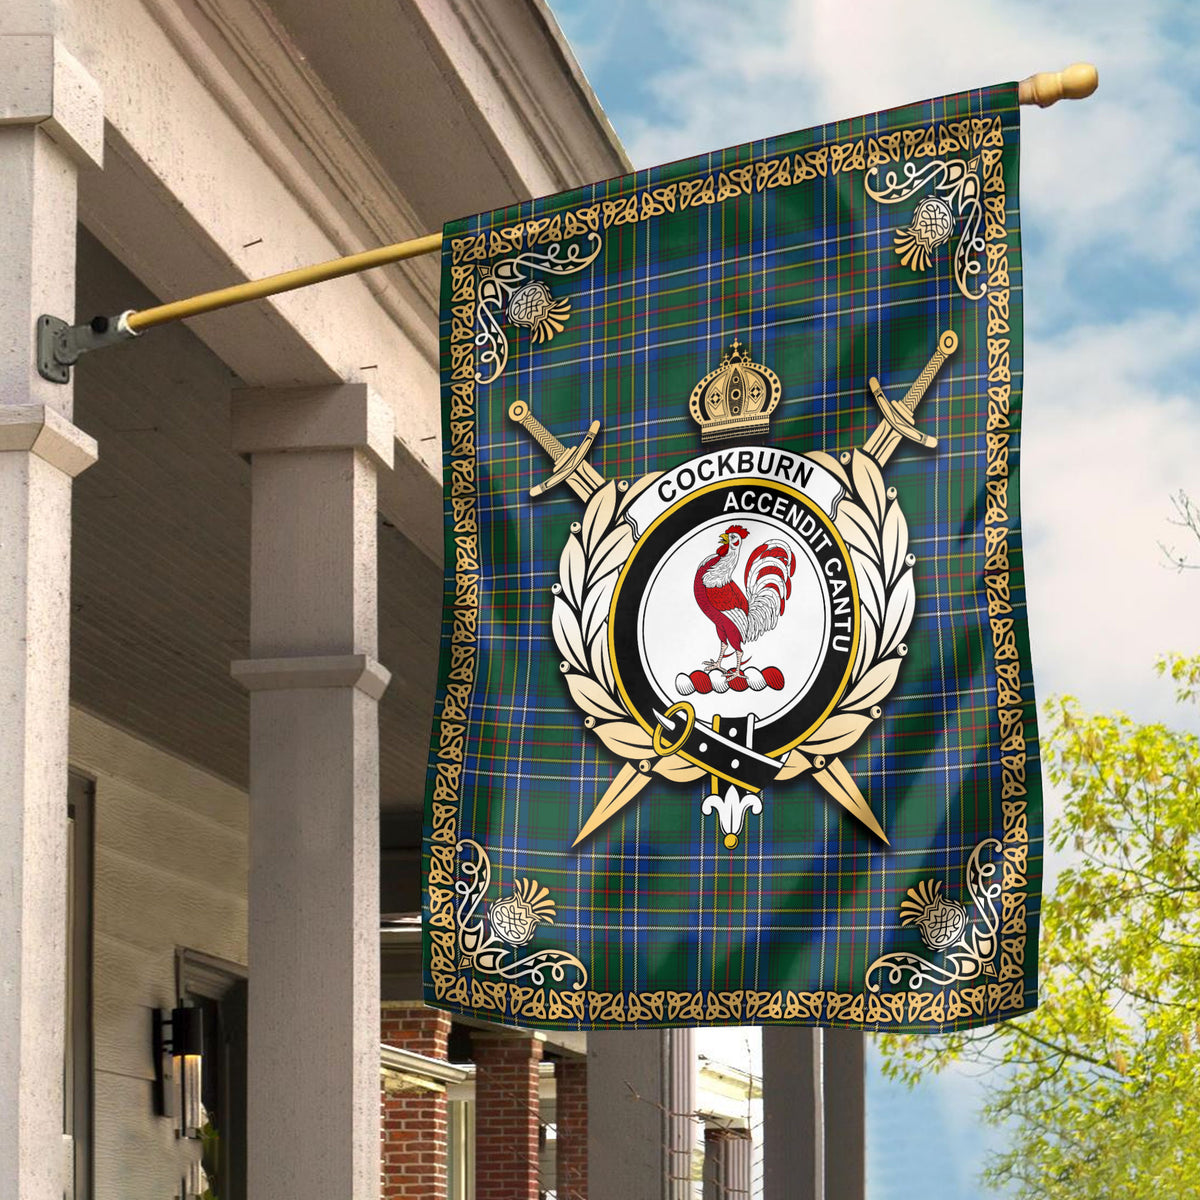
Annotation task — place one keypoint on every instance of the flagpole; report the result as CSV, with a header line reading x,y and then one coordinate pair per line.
x,y
285,281
60,345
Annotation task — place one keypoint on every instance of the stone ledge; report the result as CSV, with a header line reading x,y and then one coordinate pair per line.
x,y
48,434
348,416
43,83
359,671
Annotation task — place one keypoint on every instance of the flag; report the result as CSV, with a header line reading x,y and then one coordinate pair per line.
x,y
735,719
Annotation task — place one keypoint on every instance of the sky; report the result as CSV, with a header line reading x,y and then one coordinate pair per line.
x,y
1110,201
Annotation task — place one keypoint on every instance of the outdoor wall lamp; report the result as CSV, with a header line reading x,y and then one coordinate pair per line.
x,y
178,1055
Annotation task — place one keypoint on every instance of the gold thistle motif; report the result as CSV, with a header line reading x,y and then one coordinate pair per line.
x,y
932,224
485,945
535,308
516,918
504,291
941,921
969,951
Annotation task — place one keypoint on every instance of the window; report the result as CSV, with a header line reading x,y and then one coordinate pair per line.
x,y
460,1149
219,990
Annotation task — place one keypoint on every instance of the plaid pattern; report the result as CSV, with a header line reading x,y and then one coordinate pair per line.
x,y
780,244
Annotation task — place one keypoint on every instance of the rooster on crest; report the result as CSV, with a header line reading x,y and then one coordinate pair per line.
x,y
742,617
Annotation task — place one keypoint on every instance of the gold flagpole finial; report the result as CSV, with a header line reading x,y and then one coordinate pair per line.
x,y
1078,81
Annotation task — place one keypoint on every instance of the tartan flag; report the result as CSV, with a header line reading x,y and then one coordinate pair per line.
x,y
735,719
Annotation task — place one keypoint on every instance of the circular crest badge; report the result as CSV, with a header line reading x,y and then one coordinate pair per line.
x,y
740,601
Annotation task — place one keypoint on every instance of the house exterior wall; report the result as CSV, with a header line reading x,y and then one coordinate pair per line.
x,y
239,139
507,1115
170,872
571,1173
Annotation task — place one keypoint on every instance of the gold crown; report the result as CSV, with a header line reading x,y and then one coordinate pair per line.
x,y
735,400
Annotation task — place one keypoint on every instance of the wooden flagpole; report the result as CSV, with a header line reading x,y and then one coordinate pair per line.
x,y
1077,82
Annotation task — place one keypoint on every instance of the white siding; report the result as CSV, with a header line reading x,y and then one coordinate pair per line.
x,y
170,872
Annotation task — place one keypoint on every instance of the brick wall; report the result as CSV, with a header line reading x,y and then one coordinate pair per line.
x,y
506,1116
570,1076
414,1122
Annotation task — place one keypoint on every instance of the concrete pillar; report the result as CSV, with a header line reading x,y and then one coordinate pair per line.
x,y
793,1136
313,1105
507,1121
727,1160
845,1115
571,1122
641,1114
814,1126
415,1122
683,1128
52,123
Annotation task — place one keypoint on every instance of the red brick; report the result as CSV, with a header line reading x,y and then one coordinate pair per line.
x,y
413,1153
506,1116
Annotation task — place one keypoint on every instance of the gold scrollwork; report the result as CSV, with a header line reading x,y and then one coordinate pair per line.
x,y
969,949
958,187
506,284
482,950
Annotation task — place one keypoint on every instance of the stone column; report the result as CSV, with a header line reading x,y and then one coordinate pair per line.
x,y
313,1105
682,1127
845,1114
793,1136
571,1121
52,124
641,1114
507,1122
727,1160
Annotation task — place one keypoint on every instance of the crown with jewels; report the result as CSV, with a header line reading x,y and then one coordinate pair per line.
x,y
735,400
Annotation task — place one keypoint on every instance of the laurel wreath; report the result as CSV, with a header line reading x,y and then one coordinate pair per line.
x,y
590,565
876,535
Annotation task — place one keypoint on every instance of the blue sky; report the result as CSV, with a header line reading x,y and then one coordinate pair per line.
x,y
1110,192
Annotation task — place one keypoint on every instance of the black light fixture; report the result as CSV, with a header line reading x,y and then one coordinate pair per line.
x,y
179,1055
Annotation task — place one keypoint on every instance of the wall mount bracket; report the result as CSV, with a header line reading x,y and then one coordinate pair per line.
x,y
60,345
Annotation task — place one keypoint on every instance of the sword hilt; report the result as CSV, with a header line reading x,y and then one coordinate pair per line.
x,y
520,412
897,420
569,464
947,344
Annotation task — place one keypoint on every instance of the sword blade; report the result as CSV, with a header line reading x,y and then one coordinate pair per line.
x,y
627,785
839,785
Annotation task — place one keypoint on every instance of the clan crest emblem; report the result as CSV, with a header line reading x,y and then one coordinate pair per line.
x,y
740,616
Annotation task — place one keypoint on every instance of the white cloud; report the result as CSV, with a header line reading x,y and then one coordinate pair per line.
x,y
594,30
1112,427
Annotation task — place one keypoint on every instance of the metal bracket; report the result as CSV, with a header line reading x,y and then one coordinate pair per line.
x,y
59,345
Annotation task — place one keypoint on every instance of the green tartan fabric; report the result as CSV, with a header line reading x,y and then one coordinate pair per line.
x,y
833,256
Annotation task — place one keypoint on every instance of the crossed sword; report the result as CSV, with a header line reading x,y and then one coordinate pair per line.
x,y
572,468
